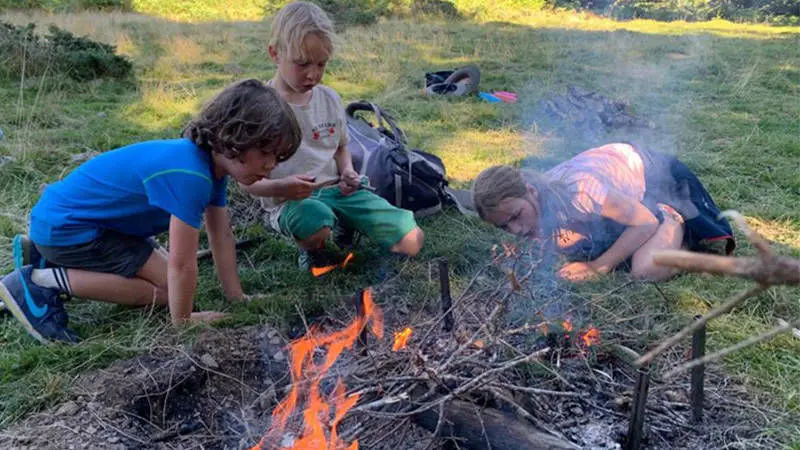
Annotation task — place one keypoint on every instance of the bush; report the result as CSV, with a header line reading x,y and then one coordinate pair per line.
x,y
349,12
60,51
66,5
749,10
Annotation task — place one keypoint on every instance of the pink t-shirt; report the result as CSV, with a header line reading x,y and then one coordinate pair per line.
x,y
591,175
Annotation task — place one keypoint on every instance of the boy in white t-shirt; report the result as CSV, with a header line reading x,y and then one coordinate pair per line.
x,y
318,189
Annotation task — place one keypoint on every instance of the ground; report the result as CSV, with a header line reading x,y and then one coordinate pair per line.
x,y
723,97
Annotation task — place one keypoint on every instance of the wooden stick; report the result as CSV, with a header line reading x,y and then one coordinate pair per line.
x,y
768,270
728,350
716,312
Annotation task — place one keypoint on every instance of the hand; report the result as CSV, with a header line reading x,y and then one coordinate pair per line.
x,y
577,272
206,317
349,181
296,187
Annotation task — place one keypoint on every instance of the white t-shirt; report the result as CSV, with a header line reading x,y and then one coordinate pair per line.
x,y
324,128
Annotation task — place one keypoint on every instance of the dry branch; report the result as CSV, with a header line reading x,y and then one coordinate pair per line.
x,y
770,270
767,270
486,428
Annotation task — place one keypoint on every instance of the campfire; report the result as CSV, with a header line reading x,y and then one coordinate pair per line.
x,y
513,360
472,374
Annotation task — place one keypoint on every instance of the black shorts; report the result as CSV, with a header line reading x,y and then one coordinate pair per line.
x,y
111,252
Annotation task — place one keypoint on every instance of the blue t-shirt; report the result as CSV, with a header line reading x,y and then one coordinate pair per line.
x,y
132,190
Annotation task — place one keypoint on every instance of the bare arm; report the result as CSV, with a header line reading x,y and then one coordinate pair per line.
x,y
263,188
344,161
182,274
294,187
223,249
641,225
349,180
181,269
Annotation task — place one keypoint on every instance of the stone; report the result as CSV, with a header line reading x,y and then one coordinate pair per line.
x,y
68,409
209,361
278,356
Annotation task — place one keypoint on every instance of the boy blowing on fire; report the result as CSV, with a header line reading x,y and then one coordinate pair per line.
x,y
317,190
610,206
90,232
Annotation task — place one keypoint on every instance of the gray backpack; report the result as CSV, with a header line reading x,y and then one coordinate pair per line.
x,y
407,178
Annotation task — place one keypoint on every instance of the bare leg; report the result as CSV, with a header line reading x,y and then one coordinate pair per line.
x,y
316,241
668,236
150,284
411,243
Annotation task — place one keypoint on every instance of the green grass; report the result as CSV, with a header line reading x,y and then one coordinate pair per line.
x,y
724,97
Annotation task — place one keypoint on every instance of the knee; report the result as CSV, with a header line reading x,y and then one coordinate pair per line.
x,y
645,269
411,243
316,240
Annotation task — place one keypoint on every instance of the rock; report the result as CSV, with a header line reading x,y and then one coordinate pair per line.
x,y
276,340
267,398
209,361
112,440
278,356
101,114
68,409
85,156
90,429
5,159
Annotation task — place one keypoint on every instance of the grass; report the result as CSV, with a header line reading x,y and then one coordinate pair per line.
x,y
724,97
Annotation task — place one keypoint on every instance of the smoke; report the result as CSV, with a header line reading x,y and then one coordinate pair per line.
x,y
612,87
603,87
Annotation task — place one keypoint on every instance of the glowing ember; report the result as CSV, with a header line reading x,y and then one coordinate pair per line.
x,y
591,337
319,429
319,271
347,259
567,324
401,339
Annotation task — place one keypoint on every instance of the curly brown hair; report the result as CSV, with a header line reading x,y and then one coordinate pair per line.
x,y
247,115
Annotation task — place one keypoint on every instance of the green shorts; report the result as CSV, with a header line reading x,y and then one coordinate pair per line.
x,y
364,211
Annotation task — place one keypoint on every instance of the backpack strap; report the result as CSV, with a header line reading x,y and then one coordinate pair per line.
x,y
381,117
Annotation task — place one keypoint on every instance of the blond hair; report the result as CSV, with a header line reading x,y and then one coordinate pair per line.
x,y
294,22
497,183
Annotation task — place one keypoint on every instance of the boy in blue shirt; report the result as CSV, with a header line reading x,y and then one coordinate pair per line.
x,y
93,228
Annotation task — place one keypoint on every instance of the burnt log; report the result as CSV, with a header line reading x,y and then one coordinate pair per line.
x,y
479,428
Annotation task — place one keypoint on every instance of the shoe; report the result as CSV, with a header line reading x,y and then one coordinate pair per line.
x,y
318,259
343,236
25,253
38,309
460,82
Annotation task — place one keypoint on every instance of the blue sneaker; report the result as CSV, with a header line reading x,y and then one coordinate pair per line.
x,y
38,309
25,253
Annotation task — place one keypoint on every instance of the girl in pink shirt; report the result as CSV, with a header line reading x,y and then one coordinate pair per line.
x,y
608,206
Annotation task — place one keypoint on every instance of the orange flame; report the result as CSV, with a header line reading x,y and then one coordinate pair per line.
x,y
320,432
401,339
319,271
567,324
591,337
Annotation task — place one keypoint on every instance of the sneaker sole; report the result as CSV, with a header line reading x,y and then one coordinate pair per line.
x,y
15,310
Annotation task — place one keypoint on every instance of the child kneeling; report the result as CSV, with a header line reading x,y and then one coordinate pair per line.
x,y
608,206
317,190
90,232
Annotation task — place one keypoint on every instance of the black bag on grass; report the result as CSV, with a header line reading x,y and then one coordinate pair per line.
x,y
407,178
